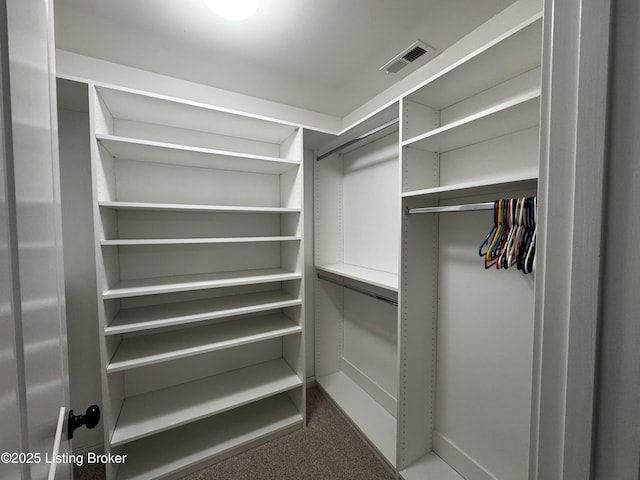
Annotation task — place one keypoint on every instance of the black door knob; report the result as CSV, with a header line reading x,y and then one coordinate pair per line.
x,y
90,419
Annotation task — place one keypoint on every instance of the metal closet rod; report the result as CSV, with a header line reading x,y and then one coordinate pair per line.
x,y
465,207
359,290
358,139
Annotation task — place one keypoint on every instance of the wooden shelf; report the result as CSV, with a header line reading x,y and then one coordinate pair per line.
x,y
378,425
144,350
157,411
178,207
195,241
378,278
165,453
475,188
517,114
430,466
151,108
183,313
159,152
183,283
511,54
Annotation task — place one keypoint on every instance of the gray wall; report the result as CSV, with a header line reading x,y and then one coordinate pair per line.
x,y
618,412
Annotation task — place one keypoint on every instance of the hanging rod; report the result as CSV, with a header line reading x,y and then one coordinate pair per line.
x,y
465,207
359,290
358,139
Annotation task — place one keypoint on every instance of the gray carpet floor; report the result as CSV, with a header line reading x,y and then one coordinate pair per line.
x,y
328,449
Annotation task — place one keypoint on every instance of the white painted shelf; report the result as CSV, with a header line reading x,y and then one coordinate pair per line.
x,y
135,105
165,453
509,55
195,241
159,152
430,466
366,275
157,411
475,188
183,283
144,350
183,313
517,114
179,207
378,425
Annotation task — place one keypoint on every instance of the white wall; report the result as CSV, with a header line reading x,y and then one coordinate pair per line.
x,y
80,270
618,412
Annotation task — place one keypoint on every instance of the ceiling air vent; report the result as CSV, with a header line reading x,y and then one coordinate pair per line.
x,y
418,50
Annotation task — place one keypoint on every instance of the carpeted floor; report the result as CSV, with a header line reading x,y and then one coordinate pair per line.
x,y
328,449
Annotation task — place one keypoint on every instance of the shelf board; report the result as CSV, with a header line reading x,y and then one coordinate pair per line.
x,y
378,425
159,152
135,105
161,410
182,313
475,188
215,437
179,207
202,281
509,55
378,278
195,241
430,466
144,350
517,114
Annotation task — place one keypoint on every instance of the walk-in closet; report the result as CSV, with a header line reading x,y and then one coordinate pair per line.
x,y
360,236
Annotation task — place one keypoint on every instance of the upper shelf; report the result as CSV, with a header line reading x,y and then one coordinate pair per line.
x,y
481,187
160,152
378,278
516,114
510,55
179,207
128,104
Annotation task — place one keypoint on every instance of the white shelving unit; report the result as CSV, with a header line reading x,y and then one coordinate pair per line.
x,y
469,135
199,253
357,214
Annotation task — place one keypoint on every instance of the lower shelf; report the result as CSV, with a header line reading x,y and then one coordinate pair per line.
x,y
430,466
373,421
154,412
228,433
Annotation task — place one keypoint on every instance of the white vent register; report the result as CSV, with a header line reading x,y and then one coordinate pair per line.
x,y
416,54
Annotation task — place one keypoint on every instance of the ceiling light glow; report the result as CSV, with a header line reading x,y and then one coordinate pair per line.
x,y
234,10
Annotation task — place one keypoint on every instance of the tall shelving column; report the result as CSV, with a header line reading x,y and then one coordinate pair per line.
x,y
470,134
356,259
198,234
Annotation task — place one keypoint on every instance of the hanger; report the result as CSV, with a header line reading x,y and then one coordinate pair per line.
x,y
512,238
491,232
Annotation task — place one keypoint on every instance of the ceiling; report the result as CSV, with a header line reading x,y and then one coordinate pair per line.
x,y
321,55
